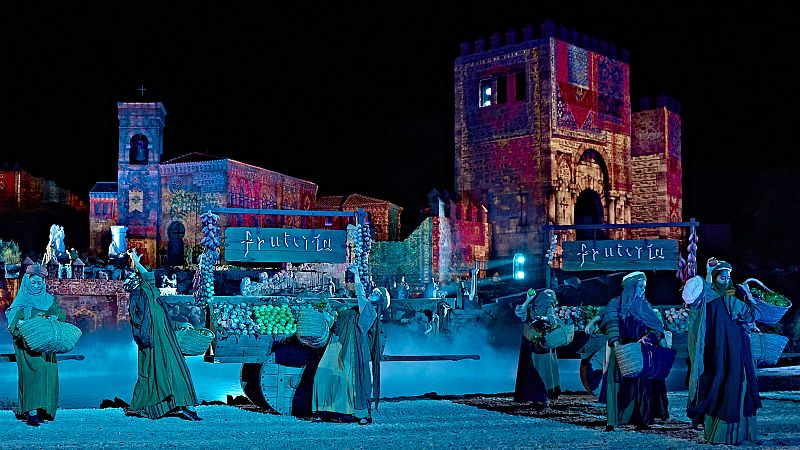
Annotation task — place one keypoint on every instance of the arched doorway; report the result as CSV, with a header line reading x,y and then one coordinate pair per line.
x,y
589,211
175,234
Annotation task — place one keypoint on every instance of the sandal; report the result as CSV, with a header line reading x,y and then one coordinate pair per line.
x,y
365,421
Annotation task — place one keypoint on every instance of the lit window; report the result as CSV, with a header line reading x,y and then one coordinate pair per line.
x,y
486,93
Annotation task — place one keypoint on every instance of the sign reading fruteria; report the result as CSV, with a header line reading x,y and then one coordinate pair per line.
x,y
285,245
620,255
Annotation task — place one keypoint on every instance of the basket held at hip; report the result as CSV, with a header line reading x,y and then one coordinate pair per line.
x,y
43,335
194,341
767,348
559,337
630,360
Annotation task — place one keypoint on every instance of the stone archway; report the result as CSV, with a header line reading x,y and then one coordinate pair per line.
x,y
175,234
589,211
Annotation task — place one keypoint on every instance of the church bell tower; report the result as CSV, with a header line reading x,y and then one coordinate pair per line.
x,y
141,144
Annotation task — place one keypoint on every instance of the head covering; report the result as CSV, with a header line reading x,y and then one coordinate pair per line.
x,y
385,299
638,307
545,299
28,298
632,278
718,269
692,289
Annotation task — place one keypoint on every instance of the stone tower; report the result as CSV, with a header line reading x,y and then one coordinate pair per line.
x,y
141,144
543,135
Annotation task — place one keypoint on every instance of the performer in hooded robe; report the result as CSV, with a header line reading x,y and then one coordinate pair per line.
x,y
537,371
164,384
344,389
630,318
723,384
38,372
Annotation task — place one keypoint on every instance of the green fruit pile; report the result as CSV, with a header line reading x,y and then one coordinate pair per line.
x,y
773,298
275,320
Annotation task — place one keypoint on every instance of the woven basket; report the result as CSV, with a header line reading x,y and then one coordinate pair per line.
x,y
767,347
559,337
312,328
43,335
194,341
770,314
629,357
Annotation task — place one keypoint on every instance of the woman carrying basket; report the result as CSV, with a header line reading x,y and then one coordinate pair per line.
x,y
627,319
38,372
164,384
344,385
723,384
537,371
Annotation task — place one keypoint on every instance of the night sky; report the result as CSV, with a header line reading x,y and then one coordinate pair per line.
x,y
359,97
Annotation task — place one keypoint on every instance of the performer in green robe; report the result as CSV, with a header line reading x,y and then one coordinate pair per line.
x,y
343,387
164,384
538,379
38,373
627,319
724,388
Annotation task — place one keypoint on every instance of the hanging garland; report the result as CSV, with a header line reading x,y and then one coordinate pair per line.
x,y
203,282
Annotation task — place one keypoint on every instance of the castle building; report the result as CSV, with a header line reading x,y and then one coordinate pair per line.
x,y
160,203
545,134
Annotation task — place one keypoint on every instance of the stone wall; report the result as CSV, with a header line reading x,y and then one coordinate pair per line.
x,y
92,304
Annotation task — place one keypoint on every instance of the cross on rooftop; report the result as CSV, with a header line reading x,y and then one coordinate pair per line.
x,y
141,90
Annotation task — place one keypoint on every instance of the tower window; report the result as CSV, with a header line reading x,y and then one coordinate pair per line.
x,y
486,93
502,89
521,85
139,149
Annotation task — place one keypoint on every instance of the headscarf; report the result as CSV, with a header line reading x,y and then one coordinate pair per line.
x,y
544,300
719,288
638,307
27,299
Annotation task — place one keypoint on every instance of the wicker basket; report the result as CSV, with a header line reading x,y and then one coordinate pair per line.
x,y
312,328
559,337
629,357
767,347
770,314
43,335
194,341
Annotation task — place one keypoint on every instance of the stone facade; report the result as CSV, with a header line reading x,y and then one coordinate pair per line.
x,y
543,135
656,169
92,304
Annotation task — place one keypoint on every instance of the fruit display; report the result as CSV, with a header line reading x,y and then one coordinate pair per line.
x,y
275,320
241,319
578,316
676,320
362,246
234,319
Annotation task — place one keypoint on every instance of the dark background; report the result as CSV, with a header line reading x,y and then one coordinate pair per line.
x,y
358,97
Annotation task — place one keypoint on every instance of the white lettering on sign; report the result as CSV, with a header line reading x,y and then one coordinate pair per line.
x,y
247,241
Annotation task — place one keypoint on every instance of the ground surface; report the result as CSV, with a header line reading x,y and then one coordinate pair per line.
x,y
493,422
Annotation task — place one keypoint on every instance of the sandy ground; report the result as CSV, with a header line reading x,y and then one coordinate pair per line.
x,y
399,424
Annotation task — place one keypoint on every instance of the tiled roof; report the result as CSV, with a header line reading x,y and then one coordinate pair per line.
x,y
331,202
104,187
194,157
361,200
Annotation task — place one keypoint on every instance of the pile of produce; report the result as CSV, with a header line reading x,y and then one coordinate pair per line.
x,y
363,245
235,319
773,298
578,316
275,320
676,320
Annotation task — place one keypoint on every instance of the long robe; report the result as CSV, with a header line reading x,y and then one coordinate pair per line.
x,y
537,370
164,383
343,381
727,389
630,401
38,373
